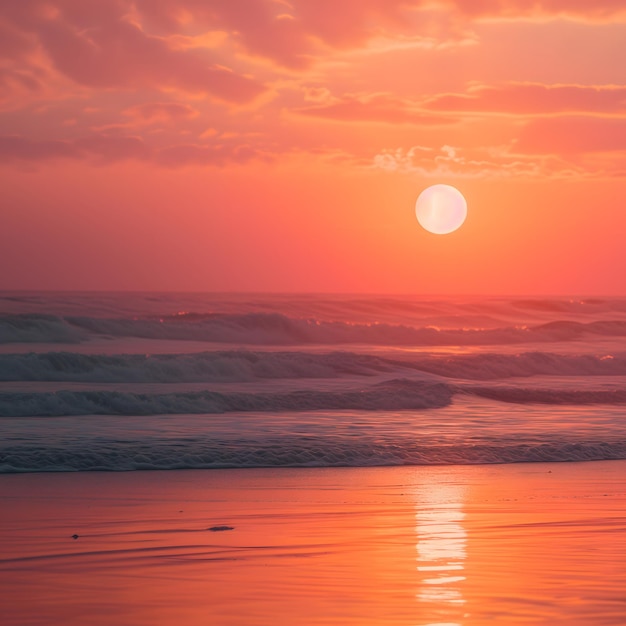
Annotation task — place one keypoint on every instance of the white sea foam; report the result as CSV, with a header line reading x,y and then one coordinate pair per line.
x,y
113,456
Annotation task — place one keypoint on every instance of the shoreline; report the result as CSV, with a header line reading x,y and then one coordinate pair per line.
x,y
531,543
304,468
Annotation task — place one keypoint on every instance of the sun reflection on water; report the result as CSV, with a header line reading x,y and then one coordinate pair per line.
x,y
441,553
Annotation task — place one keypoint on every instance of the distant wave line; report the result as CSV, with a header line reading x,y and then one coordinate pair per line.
x,y
278,329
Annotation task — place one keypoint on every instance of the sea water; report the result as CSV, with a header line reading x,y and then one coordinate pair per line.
x,y
124,381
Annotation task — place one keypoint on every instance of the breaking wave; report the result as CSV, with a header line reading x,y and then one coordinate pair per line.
x,y
35,328
498,366
278,329
525,395
245,365
228,366
311,452
392,395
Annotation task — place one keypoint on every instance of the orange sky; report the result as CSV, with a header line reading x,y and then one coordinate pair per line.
x,y
279,145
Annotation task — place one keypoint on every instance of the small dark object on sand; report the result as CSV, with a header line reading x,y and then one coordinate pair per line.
x,y
216,529
74,536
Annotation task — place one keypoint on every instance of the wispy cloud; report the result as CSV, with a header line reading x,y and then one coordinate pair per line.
x,y
373,108
533,99
487,163
101,149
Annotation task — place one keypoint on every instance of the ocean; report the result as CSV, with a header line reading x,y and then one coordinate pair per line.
x,y
136,381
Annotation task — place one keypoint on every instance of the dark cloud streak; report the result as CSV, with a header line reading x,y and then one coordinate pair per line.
x,y
103,149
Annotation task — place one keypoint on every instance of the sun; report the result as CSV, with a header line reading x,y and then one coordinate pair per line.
x,y
441,209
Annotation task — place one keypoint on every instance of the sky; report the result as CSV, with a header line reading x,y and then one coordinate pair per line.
x,y
280,145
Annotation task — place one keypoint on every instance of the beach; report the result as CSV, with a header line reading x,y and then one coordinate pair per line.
x,y
263,459
535,543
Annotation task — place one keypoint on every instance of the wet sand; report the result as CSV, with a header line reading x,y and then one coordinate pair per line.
x,y
454,546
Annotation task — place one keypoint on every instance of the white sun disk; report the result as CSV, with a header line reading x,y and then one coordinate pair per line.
x,y
441,209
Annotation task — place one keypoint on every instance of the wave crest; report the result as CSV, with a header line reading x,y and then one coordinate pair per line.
x,y
313,452
245,366
226,366
392,395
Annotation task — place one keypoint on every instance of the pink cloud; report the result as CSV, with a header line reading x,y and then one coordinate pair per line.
x,y
374,108
96,45
354,22
454,162
102,149
133,44
598,9
491,162
119,53
263,27
534,99
287,32
98,148
290,32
